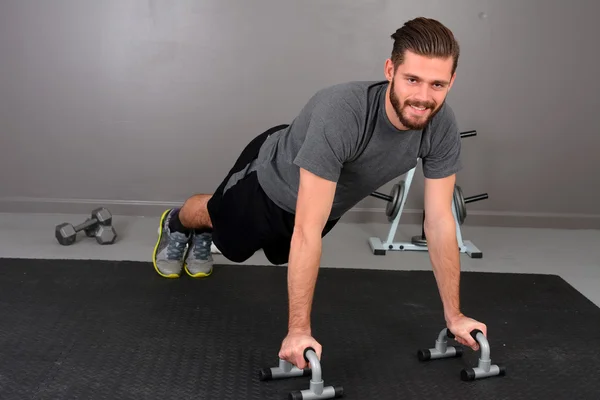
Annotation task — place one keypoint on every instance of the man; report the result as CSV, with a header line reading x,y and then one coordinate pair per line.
x,y
291,184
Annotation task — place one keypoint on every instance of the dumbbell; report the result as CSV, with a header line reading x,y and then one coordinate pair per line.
x,y
98,226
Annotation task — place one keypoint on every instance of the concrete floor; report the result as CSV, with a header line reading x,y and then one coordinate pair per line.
x,y
572,254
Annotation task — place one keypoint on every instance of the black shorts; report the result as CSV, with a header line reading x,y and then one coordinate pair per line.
x,y
245,219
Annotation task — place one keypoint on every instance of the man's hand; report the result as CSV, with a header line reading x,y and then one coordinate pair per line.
x,y
462,326
293,346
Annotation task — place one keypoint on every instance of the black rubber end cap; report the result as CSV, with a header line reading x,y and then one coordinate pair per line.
x,y
474,333
265,374
502,370
306,350
295,396
459,351
467,374
379,252
424,354
339,391
477,255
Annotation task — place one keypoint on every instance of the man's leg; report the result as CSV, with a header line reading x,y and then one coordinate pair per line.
x,y
225,217
194,214
185,240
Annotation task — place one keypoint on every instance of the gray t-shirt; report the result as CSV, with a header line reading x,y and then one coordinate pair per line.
x,y
343,134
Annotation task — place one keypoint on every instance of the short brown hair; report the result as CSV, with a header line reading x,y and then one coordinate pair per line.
x,y
425,37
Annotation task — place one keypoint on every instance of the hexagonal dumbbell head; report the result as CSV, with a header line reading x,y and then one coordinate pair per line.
x,y
65,234
102,215
105,234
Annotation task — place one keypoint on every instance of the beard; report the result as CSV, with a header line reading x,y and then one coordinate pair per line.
x,y
404,114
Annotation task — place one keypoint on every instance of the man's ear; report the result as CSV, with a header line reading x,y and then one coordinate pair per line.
x,y
452,81
389,70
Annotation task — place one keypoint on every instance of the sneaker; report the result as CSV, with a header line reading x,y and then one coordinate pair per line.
x,y
170,249
199,261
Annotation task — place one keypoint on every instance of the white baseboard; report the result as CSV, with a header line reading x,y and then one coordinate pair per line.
x,y
356,215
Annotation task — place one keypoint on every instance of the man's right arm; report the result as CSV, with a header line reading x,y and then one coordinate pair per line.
x,y
315,199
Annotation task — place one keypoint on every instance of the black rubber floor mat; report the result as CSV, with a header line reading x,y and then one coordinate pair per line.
x,y
116,330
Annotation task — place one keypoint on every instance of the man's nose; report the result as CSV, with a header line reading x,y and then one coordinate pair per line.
x,y
423,93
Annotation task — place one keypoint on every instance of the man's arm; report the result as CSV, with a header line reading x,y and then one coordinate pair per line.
x,y
315,199
440,230
328,143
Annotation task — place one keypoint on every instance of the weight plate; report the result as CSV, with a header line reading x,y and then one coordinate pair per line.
x,y
394,205
389,208
461,207
419,241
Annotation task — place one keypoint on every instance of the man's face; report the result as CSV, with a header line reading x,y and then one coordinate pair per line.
x,y
418,88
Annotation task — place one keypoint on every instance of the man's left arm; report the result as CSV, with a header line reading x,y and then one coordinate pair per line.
x,y
440,230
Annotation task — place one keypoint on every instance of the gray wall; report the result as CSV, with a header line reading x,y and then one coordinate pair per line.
x,y
138,104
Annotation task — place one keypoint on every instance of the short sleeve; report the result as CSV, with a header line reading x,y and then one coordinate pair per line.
x,y
444,157
327,144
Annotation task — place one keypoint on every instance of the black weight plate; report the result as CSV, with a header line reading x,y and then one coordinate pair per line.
x,y
397,194
389,208
419,241
461,207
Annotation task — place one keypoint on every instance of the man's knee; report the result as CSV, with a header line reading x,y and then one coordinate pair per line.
x,y
194,212
277,256
234,255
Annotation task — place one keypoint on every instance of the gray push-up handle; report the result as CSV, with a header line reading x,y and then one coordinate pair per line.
x,y
484,369
441,349
317,389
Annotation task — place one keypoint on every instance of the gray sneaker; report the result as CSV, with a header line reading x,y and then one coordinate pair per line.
x,y
170,249
199,261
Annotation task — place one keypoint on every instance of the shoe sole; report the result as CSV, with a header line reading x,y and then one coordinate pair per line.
x,y
160,232
197,275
